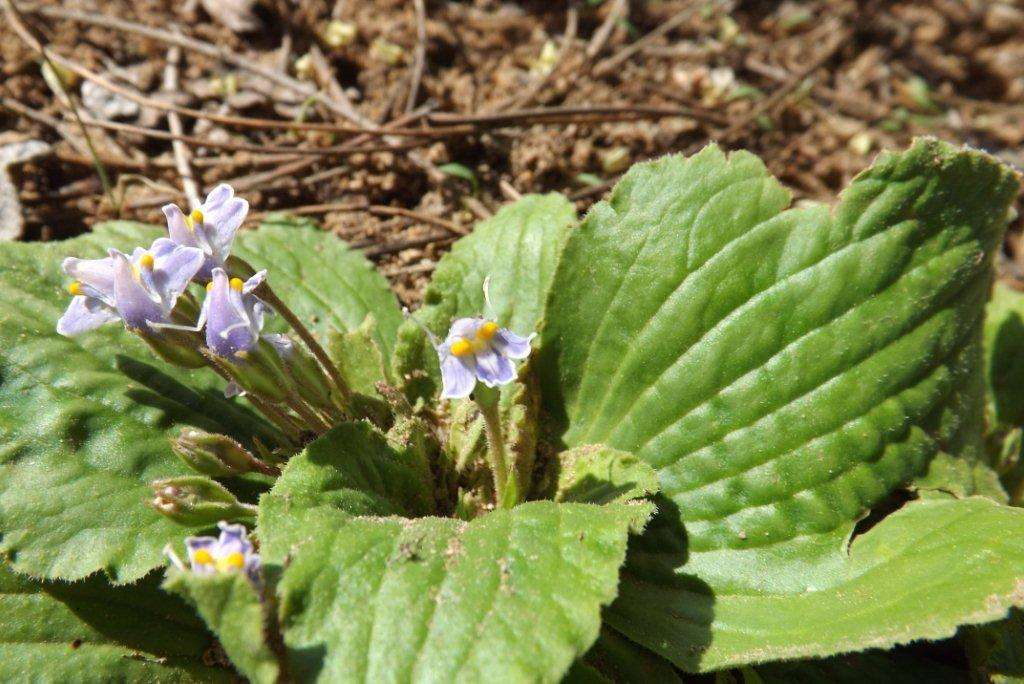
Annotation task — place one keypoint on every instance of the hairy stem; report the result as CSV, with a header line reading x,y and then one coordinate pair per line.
x,y
270,297
506,488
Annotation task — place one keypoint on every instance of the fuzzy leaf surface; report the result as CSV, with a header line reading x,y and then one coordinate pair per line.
x,y
784,371
513,596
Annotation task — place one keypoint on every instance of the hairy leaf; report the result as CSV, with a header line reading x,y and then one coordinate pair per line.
x,y
352,468
91,632
230,606
784,371
594,473
513,596
85,420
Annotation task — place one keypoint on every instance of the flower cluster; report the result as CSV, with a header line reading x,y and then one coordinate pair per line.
x,y
149,292
143,289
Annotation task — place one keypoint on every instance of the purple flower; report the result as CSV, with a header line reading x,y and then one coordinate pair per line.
x,y
141,289
211,227
231,552
233,315
477,349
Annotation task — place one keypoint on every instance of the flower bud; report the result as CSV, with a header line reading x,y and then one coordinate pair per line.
x,y
196,500
212,454
176,347
308,380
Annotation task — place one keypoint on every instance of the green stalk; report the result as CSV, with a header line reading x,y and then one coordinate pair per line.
x,y
506,485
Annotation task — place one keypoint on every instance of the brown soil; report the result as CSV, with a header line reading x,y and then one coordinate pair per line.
x,y
531,97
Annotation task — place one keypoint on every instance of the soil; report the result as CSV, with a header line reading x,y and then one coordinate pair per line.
x,y
518,98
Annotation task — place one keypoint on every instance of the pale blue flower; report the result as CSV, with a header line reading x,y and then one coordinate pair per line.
x,y
140,289
230,552
211,227
233,315
477,349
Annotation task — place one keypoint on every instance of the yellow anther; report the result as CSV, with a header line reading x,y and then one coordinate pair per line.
x,y
202,556
75,288
209,286
487,331
146,261
236,284
196,216
462,347
232,561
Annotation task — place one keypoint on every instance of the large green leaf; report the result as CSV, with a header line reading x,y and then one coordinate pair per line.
x,y
513,596
84,421
518,248
918,574
784,372
91,632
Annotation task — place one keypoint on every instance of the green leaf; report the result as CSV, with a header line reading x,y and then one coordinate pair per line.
x,y
513,596
783,372
358,357
85,421
518,248
231,608
1004,355
91,632
353,468
594,473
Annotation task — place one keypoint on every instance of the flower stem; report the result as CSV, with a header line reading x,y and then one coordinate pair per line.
x,y
506,487
270,297
292,432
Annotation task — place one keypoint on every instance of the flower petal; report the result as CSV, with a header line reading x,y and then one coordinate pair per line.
x,y
217,197
229,329
173,269
84,314
493,369
194,544
233,538
457,380
96,276
464,327
133,300
222,223
254,281
177,229
511,345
